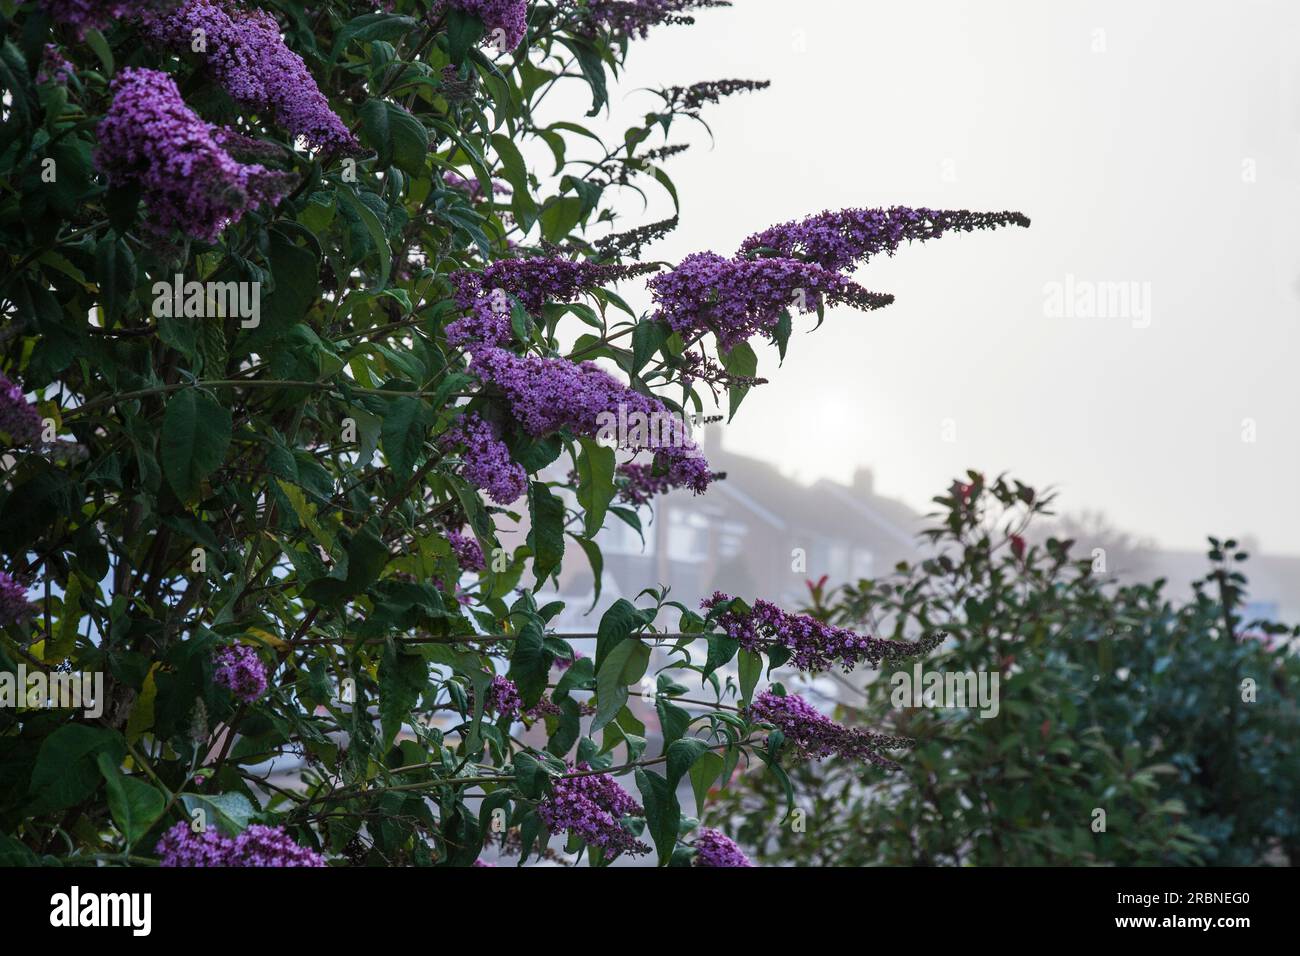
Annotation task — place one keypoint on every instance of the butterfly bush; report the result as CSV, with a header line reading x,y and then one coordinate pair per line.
x,y
244,50
86,15
546,395
816,736
14,605
240,670
738,298
510,17
813,645
590,806
257,845
634,18
423,355
19,419
468,552
535,280
713,848
503,697
486,462
845,238
149,138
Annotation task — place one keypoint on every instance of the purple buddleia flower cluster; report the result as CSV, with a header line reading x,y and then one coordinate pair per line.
x,y
472,186
467,551
257,845
841,239
590,807
813,645
485,460
487,323
55,67
245,52
189,184
510,17
539,279
85,15
714,848
503,697
481,864
14,605
738,298
547,395
240,670
693,98
815,735
634,18
644,482
19,418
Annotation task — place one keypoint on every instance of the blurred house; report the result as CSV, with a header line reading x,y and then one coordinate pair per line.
x,y
758,533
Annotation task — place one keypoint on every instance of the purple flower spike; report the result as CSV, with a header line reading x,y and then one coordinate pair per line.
x,y
590,808
815,735
714,848
188,182
240,671
245,52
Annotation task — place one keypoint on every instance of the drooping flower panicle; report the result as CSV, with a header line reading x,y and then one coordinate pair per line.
x,y
486,462
240,670
14,605
547,395
469,555
813,645
536,280
258,845
739,298
634,18
841,239
245,52
504,20
503,697
189,184
713,848
590,807
815,735
19,418
86,15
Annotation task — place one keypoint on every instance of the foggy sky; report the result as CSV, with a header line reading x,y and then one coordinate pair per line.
x,y
1156,144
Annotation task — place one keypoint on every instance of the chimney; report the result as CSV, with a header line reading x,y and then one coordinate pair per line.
x,y
864,482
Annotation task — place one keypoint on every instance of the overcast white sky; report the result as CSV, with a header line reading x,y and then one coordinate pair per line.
x,y
1150,142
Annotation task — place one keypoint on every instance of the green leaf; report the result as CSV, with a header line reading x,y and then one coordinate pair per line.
x,y
596,489
546,535
463,31
626,664
195,436
67,771
530,663
662,813
616,625
682,755
597,561
231,812
376,232
704,773
65,638
405,426
402,679
115,272
751,668
134,804
741,360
